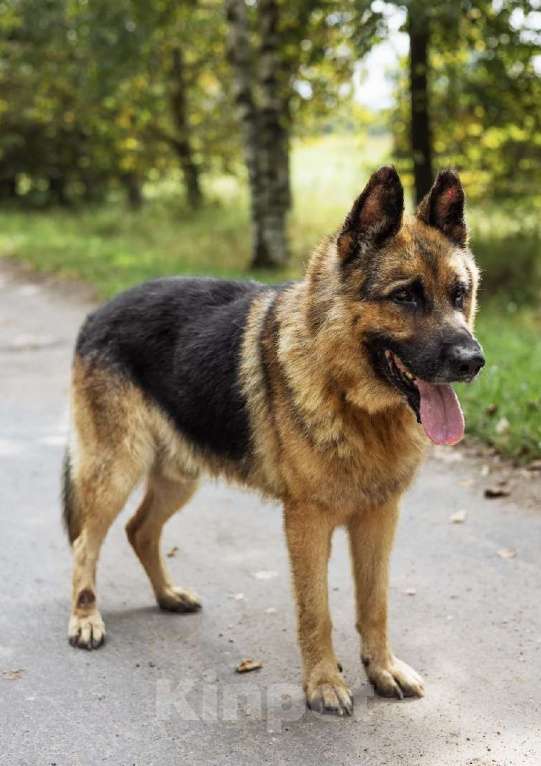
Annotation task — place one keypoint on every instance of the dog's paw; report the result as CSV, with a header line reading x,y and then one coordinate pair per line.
x,y
86,632
327,693
179,600
394,679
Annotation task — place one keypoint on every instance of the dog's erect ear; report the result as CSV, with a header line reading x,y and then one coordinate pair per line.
x,y
375,216
443,207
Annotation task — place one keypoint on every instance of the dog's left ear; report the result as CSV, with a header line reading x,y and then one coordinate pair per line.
x,y
375,216
443,207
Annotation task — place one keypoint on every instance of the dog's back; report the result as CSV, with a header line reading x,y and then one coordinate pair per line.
x,y
178,340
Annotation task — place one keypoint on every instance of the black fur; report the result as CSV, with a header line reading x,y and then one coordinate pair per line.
x,y
69,512
179,340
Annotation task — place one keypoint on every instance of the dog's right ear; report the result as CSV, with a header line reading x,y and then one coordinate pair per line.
x,y
443,207
375,217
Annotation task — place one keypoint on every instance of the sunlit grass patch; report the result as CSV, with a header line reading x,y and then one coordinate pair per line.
x,y
503,407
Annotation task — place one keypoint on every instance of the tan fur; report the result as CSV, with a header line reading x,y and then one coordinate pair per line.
x,y
337,445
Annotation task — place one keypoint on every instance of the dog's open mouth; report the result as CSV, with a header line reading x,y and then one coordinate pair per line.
x,y
435,404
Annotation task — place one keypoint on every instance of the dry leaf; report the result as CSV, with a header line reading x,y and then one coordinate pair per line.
x,y
265,574
492,409
246,666
502,426
458,518
498,491
507,553
172,552
12,675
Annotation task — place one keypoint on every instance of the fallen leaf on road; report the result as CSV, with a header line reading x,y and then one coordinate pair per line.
x,y
246,666
12,675
265,574
507,553
458,518
498,491
172,552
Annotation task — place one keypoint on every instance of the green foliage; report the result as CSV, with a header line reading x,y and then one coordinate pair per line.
x,y
64,132
88,89
503,407
506,239
87,94
485,92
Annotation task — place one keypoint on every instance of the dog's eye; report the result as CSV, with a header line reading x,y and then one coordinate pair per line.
x,y
459,296
404,296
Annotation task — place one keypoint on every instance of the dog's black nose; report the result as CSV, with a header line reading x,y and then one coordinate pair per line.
x,y
465,360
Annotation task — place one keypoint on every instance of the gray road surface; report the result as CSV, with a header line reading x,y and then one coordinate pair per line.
x,y
163,690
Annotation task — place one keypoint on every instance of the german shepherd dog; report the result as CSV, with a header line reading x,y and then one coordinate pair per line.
x,y
320,393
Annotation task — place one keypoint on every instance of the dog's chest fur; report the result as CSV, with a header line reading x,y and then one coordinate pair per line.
x,y
373,460
309,439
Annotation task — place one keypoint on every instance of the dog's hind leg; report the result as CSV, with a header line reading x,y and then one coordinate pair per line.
x,y
110,451
99,488
164,496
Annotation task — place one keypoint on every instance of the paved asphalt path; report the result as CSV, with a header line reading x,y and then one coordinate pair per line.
x,y
163,689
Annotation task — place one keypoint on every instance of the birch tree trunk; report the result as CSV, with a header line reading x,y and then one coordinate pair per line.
x,y
182,142
263,137
273,135
421,135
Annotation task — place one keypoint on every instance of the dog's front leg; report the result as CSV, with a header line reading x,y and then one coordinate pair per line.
x,y
371,536
309,530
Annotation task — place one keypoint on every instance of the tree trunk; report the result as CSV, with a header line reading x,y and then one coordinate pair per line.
x,y
57,190
182,143
268,202
274,139
421,135
8,188
133,190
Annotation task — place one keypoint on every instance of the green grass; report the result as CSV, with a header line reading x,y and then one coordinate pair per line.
x,y
112,248
503,407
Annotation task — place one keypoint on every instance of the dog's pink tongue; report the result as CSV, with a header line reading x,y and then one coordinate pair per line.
x,y
441,413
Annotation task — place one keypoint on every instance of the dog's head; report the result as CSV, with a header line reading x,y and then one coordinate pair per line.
x,y
410,285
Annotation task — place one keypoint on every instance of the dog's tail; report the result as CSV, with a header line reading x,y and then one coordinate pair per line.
x,y
70,511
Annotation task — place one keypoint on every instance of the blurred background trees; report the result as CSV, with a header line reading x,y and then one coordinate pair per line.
x,y
98,97
141,138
